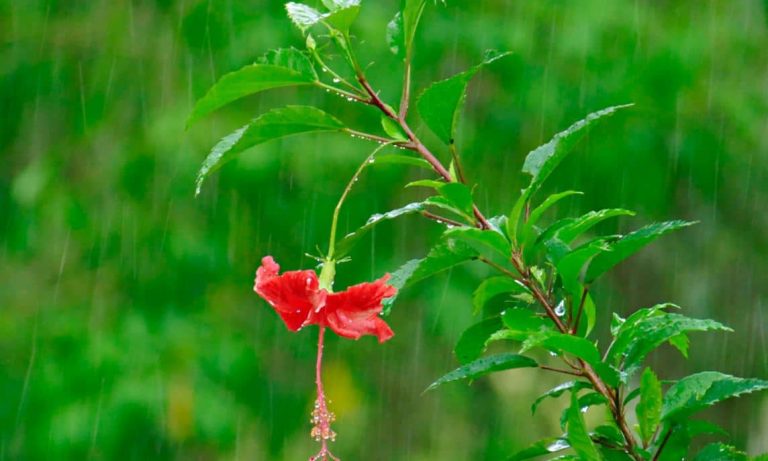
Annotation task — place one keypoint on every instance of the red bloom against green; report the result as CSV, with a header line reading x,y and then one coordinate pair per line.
x,y
297,297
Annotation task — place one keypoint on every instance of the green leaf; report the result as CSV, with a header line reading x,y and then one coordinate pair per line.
x,y
392,129
345,245
411,12
589,400
486,242
521,324
398,279
340,17
557,391
629,245
303,16
542,447
395,36
574,345
648,410
720,452
431,183
492,287
638,336
399,159
578,437
473,340
274,124
459,195
484,366
571,265
440,104
543,160
529,235
442,256
572,230
279,68
701,390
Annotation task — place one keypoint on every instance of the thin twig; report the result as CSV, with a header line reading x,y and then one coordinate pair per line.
x,y
441,219
575,326
559,370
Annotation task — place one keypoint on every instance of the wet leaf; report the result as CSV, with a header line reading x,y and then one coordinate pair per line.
x,y
277,123
473,340
558,390
577,436
629,245
542,447
720,452
701,390
647,330
648,410
440,104
484,366
344,246
492,287
277,69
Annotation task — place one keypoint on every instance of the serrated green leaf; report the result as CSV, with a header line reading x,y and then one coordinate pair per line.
x,y
484,366
720,452
493,287
701,390
345,245
341,15
343,18
577,436
543,160
303,16
442,256
459,195
570,231
644,332
542,447
399,279
520,324
486,242
277,69
629,245
648,410
473,340
609,433
557,391
440,104
529,228
576,346
589,400
572,265
277,123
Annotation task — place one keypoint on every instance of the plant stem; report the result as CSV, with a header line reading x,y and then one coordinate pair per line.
x,y
352,181
321,417
575,326
441,219
559,370
663,444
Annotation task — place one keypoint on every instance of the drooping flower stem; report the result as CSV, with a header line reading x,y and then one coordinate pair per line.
x,y
321,416
335,220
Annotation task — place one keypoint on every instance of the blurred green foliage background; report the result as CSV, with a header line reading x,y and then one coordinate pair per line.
x,y
129,330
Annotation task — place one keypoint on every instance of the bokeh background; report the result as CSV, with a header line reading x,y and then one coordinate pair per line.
x,y
128,328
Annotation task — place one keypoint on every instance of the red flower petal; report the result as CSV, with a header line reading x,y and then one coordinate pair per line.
x,y
355,312
293,295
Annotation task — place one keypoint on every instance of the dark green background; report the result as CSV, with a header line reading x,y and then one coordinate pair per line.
x,y
128,327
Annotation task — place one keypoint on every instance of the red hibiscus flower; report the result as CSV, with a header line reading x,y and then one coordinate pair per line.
x,y
297,297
